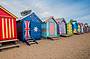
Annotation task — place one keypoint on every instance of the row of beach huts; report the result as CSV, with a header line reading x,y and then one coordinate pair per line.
x,y
32,28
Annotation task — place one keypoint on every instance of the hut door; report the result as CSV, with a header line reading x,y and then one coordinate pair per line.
x,y
74,27
82,29
52,29
27,30
63,28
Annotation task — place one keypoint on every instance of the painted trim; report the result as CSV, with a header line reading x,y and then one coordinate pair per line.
x,y
47,29
55,30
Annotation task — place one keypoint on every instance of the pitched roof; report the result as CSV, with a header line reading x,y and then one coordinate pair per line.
x,y
60,19
73,20
25,16
33,14
1,7
48,18
30,15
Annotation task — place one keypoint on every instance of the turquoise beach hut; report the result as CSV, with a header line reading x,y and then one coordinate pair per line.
x,y
49,28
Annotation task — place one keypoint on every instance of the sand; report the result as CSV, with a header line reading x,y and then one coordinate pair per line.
x,y
74,47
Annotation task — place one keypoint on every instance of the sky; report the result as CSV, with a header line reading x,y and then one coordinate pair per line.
x,y
69,9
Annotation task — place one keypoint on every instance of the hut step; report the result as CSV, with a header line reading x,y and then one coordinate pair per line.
x,y
31,41
55,38
52,38
65,35
8,40
9,46
9,43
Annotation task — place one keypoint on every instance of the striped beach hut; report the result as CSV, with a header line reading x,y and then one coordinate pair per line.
x,y
8,30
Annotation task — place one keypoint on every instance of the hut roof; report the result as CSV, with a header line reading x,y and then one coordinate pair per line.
x,y
4,9
30,16
60,20
47,19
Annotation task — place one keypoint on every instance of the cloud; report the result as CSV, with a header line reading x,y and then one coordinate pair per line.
x,y
85,19
61,8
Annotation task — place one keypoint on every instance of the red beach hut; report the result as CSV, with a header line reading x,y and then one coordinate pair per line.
x,y
8,26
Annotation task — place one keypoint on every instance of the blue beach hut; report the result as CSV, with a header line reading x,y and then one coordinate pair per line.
x,y
29,28
74,26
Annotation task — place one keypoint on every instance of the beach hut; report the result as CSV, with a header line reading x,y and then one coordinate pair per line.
x,y
85,27
29,28
89,29
75,26
49,28
61,26
81,27
8,30
69,28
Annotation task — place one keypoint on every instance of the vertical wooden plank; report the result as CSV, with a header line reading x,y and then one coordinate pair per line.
x,y
47,28
12,28
6,27
15,30
9,28
1,36
3,33
56,34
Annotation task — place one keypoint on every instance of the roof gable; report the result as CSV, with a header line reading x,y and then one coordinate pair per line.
x,y
27,18
60,20
35,17
5,13
73,21
50,19
31,16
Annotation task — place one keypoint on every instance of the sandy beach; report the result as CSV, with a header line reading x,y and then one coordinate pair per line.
x,y
74,47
